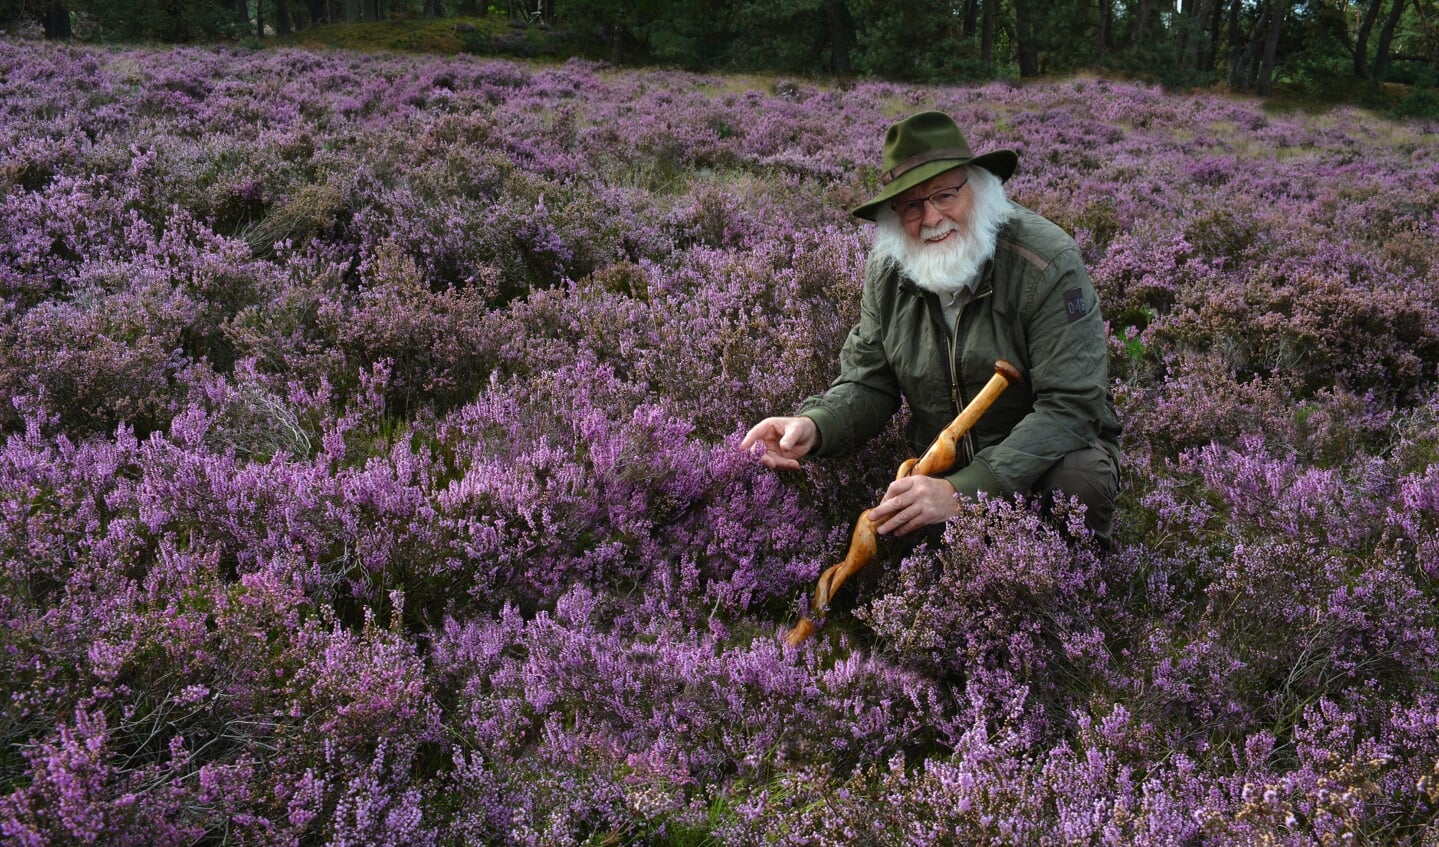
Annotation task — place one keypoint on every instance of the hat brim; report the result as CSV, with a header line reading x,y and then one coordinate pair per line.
x,y
1001,163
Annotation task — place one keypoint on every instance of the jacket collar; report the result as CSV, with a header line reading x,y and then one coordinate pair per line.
x,y
983,288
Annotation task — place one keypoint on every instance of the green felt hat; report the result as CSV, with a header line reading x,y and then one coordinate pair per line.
x,y
924,146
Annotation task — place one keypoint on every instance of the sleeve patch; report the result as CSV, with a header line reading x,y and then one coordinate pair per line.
x,y
1074,307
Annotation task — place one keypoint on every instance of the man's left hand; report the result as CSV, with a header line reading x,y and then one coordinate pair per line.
x,y
914,502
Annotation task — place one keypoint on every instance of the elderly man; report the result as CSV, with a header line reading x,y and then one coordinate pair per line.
x,y
959,277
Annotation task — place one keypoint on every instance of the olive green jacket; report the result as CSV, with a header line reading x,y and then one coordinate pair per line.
x,y
1035,307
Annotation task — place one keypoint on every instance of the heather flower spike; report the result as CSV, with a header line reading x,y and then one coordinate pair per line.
x,y
937,458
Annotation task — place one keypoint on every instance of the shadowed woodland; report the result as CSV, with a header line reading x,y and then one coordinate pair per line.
x,y
1328,49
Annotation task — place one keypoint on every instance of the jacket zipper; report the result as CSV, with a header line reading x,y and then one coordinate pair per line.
x,y
956,389
957,395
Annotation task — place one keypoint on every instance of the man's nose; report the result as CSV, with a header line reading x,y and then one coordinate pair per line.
x,y
932,217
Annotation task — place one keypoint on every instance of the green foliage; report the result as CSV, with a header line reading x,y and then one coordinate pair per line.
x,y
904,40
416,35
170,21
695,35
1156,60
786,36
1422,101
911,40
1320,59
610,29
522,42
12,11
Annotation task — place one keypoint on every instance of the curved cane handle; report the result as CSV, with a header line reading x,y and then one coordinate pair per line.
x,y
937,459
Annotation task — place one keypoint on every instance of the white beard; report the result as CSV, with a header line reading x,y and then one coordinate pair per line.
x,y
950,266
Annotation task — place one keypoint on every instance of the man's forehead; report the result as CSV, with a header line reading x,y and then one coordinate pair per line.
x,y
934,183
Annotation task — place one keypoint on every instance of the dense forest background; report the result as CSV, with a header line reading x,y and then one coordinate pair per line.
x,y
1382,51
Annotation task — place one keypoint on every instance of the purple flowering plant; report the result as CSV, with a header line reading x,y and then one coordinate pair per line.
x,y
369,469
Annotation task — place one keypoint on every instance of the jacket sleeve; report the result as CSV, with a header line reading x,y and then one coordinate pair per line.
x,y
866,393
1068,372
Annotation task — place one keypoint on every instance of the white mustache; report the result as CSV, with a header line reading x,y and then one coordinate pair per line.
x,y
931,232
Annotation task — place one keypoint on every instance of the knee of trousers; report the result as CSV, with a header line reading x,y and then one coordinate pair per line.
x,y
1089,475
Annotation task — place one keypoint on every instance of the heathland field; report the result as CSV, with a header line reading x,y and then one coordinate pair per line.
x,y
369,468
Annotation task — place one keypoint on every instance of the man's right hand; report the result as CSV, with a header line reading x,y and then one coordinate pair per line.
x,y
785,440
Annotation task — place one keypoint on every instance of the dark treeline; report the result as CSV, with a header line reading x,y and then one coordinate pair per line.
x,y
1250,45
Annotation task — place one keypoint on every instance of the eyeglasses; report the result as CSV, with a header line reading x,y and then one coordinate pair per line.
x,y
945,200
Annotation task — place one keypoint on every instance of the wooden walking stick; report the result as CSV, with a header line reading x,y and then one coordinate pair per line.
x,y
936,460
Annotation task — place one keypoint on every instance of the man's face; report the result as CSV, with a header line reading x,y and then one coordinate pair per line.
x,y
943,231
937,210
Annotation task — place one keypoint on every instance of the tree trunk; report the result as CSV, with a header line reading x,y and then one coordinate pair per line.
x,y
1141,23
1264,79
433,9
352,11
1431,37
1101,39
282,17
839,28
1239,64
1027,52
318,12
1361,39
1244,61
56,22
1192,46
1210,55
1253,49
1182,36
1236,48
986,36
1386,38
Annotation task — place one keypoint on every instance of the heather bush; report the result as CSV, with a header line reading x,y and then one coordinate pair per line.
x,y
547,472
1007,598
369,469
433,342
